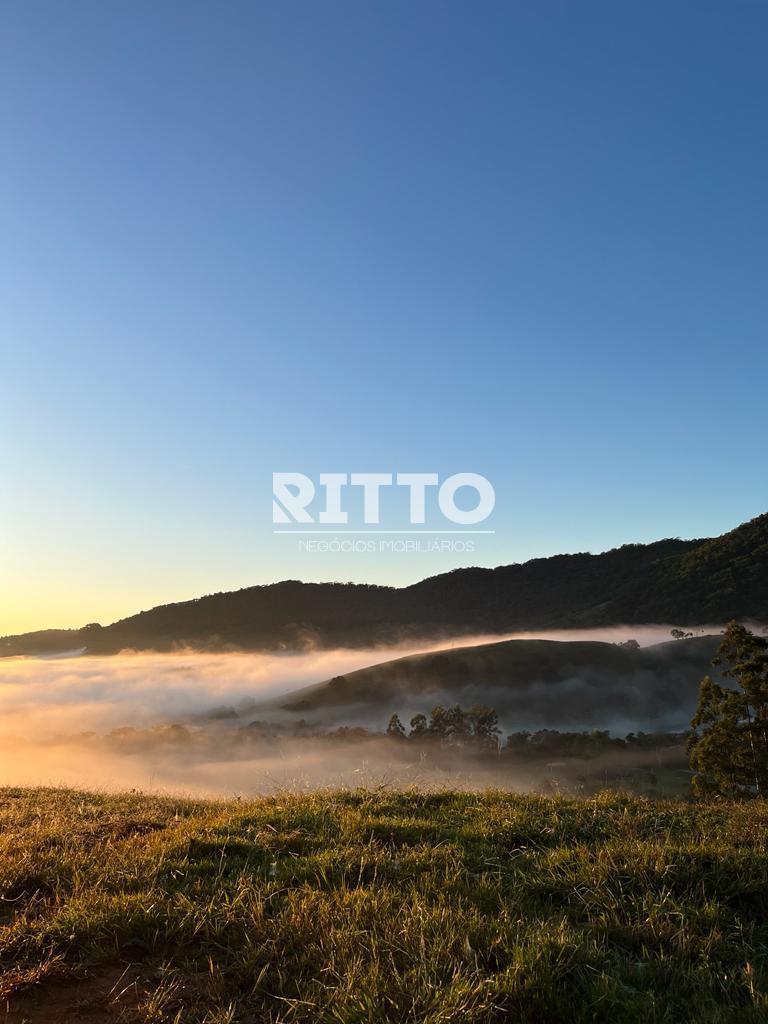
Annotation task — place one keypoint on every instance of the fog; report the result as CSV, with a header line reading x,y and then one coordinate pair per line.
x,y
106,722
49,696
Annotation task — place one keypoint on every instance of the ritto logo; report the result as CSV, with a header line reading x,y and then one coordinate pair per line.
x,y
422,494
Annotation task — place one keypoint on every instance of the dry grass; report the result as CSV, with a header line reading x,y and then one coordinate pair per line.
x,y
378,906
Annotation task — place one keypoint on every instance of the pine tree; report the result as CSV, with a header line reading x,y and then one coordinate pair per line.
x,y
418,726
729,744
395,728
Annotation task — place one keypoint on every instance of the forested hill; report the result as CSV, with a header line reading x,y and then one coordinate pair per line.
x,y
671,581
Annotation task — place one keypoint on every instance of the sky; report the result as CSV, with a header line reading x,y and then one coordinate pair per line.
x,y
521,240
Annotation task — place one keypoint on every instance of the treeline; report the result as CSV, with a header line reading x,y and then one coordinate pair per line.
x,y
550,743
477,728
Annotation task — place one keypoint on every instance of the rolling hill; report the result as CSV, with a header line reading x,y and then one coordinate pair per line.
x,y
675,581
531,683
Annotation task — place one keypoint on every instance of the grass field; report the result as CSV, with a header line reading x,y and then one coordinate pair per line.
x,y
381,906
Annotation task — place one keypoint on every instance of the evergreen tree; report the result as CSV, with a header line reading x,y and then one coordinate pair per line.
x,y
418,727
729,743
395,728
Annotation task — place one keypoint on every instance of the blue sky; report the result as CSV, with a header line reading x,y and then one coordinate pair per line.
x,y
524,240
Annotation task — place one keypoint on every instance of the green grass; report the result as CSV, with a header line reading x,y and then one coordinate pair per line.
x,y
385,906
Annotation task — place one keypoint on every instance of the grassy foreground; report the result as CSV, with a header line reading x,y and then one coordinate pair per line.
x,y
362,907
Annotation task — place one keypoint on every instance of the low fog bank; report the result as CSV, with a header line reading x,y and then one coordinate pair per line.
x,y
220,762
46,697
184,722
49,695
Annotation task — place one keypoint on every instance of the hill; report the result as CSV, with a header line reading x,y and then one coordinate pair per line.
x,y
675,581
531,683
381,907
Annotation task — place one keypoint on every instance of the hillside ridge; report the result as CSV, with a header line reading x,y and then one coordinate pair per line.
x,y
668,581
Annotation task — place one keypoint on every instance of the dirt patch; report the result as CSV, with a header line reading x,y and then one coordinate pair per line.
x,y
106,995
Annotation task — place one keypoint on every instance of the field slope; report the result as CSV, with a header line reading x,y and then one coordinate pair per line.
x,y
366,907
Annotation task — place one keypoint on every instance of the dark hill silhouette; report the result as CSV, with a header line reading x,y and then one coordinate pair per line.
x,y
673,581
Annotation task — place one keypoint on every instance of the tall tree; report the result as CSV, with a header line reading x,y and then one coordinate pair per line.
x,y
395,728
729,743
459,725
440,722
418,726
485,726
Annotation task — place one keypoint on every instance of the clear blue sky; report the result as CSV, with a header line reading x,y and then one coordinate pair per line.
x,y
526,240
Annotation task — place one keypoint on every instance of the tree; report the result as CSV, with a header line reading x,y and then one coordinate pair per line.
x,y
485,726
418,727
479,726
729,743
459,725
439,722
517,742
680,634
395,728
